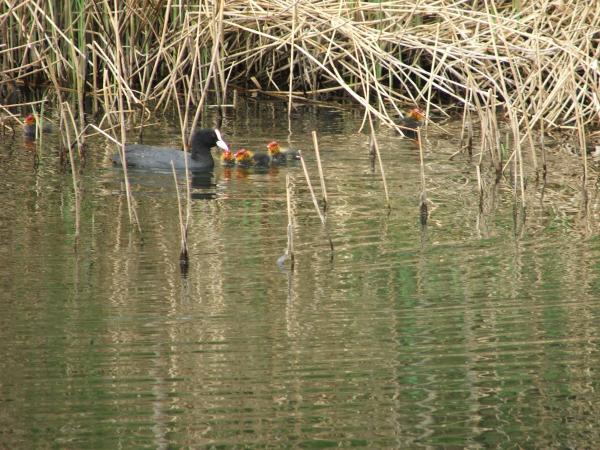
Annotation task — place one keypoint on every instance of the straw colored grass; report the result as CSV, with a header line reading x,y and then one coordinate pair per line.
x,y
538,61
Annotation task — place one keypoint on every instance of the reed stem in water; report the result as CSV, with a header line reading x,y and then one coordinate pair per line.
x,y
310,188
424,211
375,145
184,254
320,169
315,202
290,227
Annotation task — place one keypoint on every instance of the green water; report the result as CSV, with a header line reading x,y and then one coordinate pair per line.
x,y
478,330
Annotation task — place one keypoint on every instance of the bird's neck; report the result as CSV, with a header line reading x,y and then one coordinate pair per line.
x,y
202,155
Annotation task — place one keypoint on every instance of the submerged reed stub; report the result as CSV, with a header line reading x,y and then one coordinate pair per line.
x,y
423,209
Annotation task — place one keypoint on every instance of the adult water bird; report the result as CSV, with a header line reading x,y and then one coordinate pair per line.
x,y
141,156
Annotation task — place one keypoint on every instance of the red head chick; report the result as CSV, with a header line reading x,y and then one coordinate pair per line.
x,y
243,157
273,148
227,158
417,114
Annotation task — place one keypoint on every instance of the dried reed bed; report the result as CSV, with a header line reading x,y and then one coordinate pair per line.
x,y
538,61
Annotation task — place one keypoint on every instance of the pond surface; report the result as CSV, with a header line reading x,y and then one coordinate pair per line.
x,y
481,329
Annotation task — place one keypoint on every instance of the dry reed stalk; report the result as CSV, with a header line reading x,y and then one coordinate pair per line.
x,y
434,70
289,251
467,124
216,70
183,229
310,188
9,113
188,210
423,208
541,96
66,110
161,46
381,55
520,101
118,67
320,169
372,152
496,148
94,81
580,131
479,181
514,174
69,117
581,139
220,38
130,200
211,71
519,153
489,133
424,213
316,203
483,128
80,76
167,87
380,161
292,55
421,159
516,156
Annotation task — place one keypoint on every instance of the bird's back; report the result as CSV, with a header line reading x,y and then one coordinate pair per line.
x,y
150,157
261,160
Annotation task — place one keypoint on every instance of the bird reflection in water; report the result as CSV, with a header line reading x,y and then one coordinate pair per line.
x,y
204,186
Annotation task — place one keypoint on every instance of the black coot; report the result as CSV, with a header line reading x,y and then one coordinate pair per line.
x,y
141,156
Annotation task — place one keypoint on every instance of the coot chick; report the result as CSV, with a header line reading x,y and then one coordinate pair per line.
x,y
411,122
279,156
30,126
243,158
141,156
246,158
261,159
227,158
